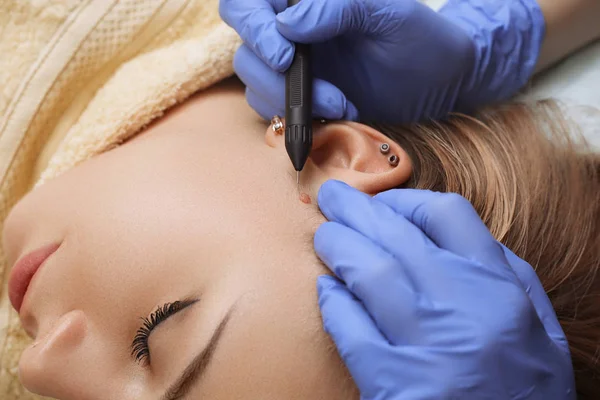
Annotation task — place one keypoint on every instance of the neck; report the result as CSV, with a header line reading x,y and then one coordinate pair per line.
x,y
217,129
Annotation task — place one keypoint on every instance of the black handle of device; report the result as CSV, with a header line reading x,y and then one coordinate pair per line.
x,y
298,98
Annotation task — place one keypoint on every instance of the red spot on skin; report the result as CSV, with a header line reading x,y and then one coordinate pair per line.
x,y
305,198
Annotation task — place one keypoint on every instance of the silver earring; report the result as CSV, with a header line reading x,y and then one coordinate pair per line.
x,y
277,125
323,121
384,148
393,160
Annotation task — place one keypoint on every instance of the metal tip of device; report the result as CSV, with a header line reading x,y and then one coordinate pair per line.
x,y
298,178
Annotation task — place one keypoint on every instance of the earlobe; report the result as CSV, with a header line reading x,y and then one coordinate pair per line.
x,y
360,156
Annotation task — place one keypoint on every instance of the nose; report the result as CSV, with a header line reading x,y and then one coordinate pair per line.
x,y
57,364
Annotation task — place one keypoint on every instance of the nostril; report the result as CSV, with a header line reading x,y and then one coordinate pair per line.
x,y
30,325
42,364
31,370
64,334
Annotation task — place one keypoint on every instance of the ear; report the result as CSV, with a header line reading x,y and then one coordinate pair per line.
x,y
351,152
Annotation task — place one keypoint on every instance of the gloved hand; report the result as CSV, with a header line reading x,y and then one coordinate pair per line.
x,y
389,60
431,306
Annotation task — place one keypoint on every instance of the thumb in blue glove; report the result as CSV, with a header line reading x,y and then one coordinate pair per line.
x,y
430,306
390,60
266,55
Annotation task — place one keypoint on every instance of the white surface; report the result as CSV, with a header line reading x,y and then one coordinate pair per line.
x,y
574,81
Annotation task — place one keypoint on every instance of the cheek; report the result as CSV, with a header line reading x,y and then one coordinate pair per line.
x,y
134,264
14,232
36,220
134,232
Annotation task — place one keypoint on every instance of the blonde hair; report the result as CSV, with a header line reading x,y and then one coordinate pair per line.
x,y
537,189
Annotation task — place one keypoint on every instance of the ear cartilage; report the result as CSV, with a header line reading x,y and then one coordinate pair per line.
x,y
393,160
384,148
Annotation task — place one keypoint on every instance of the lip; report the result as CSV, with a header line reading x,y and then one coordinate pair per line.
x,y
23,272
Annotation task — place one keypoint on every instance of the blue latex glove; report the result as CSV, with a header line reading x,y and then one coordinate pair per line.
x,y
393,60
432,306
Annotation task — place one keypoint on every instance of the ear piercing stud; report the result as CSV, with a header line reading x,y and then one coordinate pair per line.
x,y
393,160
277,125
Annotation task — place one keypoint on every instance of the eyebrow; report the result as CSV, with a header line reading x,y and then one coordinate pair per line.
x,y
193,373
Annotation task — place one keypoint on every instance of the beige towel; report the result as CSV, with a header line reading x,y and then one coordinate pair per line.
x,y
78,77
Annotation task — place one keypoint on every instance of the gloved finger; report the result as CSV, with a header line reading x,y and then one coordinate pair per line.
x,y
313,21
374,276
262,107
254,21
266,108
352,330
252,71
532,285
449,220
378,222
258,76
328,101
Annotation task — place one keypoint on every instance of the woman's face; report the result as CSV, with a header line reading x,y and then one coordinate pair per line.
x,y
197,210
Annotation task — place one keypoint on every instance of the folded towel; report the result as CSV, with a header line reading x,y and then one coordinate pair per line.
x,y
79,77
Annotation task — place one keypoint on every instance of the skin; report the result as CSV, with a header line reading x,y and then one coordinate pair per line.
x,y
305,198
203,204
570,25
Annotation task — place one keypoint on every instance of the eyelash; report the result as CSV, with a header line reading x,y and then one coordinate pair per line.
x,y
139,347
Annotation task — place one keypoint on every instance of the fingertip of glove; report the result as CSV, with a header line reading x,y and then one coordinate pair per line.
x,y
282,59
329,190
325,283
331,103
326,241
351,113
335,199
292,22
320,237
286,17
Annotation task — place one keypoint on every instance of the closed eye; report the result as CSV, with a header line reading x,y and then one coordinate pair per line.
x,y
139,347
